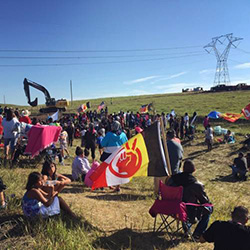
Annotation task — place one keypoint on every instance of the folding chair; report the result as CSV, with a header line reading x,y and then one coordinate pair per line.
x,y
172,211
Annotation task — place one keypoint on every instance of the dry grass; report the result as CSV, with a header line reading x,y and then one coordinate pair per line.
x,y
120,221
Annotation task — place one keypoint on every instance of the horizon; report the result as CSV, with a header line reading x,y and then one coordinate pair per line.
x,y
113,48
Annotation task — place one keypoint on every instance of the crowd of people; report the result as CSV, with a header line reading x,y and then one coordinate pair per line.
x,y
107,132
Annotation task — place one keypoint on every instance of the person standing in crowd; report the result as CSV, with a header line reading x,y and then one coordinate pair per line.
x,y
186,124
71,131
175,152
182,128
101,134
83,132
112,141
177,126
63,144
90,140
206,122
209,136
25,117
230,235
10,132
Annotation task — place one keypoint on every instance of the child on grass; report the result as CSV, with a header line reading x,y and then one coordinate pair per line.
x,y
80,165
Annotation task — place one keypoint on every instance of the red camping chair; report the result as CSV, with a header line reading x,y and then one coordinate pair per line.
x,y
172,211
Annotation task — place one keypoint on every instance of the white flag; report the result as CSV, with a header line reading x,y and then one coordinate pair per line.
x,y
55,116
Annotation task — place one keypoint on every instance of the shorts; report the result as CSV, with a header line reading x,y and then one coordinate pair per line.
x,y
10,141
63,145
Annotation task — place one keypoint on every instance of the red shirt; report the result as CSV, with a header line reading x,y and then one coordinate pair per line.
x,y
25,119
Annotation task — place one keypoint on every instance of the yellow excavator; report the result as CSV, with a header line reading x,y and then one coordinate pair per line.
x,y
52,105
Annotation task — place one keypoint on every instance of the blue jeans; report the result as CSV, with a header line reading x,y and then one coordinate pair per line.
x,y
236,171
203,222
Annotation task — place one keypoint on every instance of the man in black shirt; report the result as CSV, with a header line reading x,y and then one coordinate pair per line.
x,y
230,235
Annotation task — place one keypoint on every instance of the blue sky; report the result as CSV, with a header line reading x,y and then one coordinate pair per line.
x,y
116,47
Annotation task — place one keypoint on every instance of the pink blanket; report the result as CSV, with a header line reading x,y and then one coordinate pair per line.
x,y
40,137
87,180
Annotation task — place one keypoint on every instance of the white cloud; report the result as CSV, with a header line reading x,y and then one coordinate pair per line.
x,y
144,79
177,75
155,78
206,71
169,77
243,66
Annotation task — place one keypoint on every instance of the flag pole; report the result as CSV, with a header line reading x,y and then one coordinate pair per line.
x,y
165,147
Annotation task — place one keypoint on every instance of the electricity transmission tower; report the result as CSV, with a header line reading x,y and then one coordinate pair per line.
x,y
222,74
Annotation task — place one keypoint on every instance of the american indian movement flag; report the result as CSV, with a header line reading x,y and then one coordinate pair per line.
x,y
142,155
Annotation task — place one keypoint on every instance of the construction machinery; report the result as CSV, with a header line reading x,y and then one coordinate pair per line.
x,y
52,105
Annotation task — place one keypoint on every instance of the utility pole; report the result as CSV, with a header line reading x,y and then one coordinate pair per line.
x,y
71,93
221,73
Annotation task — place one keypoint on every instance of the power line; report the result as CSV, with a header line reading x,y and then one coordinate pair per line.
x,y
94,51
95,57
88,63
244,51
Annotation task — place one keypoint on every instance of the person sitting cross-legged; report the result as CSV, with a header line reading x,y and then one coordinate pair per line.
x,y
230,235
193,192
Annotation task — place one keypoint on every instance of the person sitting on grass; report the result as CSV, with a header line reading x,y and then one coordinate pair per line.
x,y
230,235
2,198
239,168
51,177
228,137
80,165
37,202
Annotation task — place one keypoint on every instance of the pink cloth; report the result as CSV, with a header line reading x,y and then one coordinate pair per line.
x,y
88,182
170,203
176,209
40,137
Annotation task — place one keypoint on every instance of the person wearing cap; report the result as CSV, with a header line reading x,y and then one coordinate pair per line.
x,y
230,235
193,192
25,117
175,151
138,130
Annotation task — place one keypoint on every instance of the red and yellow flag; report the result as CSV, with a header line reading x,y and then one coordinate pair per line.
x,y
231,117
142,155
246,112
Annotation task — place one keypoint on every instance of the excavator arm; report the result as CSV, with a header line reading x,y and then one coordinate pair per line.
x,y
27,83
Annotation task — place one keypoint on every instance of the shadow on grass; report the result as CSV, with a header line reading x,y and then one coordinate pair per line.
x,y
237,150
130,239
73,189
227,178
13,226
118,197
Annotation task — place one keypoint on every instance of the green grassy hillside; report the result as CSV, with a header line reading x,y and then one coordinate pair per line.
x,y
107,220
